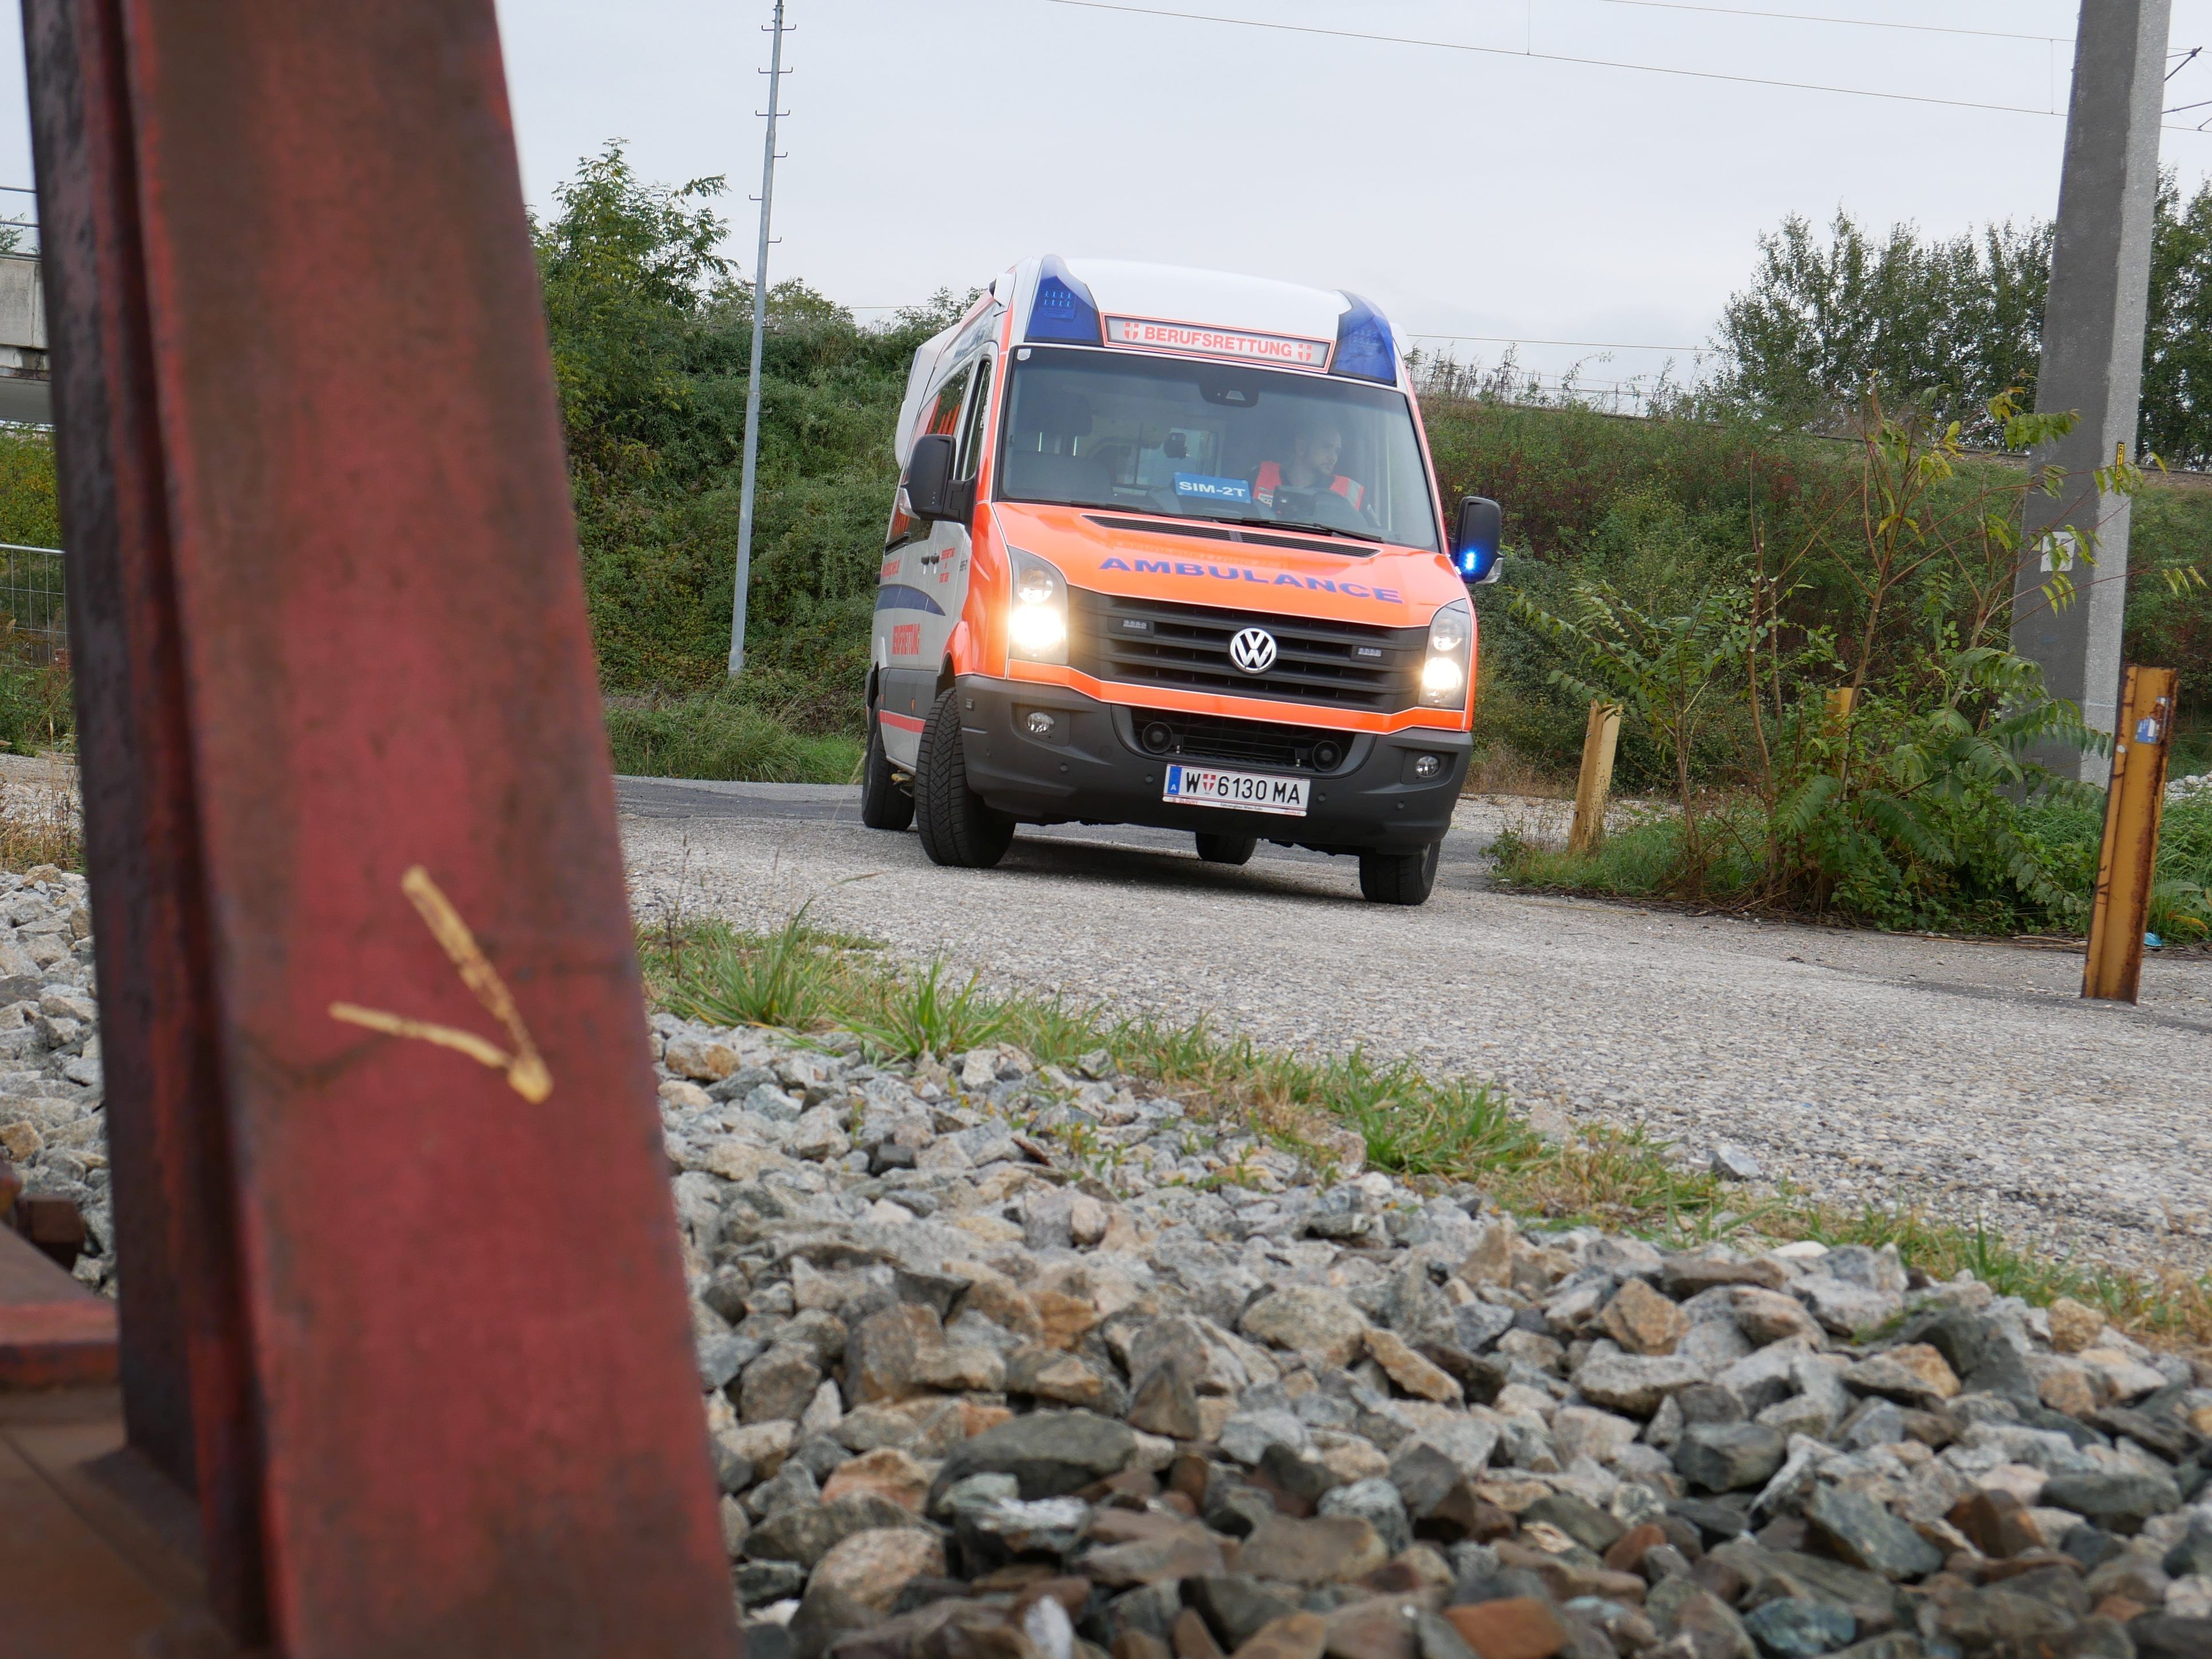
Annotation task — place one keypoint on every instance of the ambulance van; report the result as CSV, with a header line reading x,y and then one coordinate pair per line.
x,y
1168,549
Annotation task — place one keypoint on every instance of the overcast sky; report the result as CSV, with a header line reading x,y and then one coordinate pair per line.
x,y
1476,193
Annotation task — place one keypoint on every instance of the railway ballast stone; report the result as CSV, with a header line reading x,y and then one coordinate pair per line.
x,y
53,1130
1000,1359
1171,1381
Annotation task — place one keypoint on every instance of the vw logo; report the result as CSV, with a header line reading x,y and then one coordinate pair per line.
x,y
1253,650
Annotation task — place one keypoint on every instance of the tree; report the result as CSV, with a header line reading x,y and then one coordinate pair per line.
x,y
1931,324
628,269
2177,390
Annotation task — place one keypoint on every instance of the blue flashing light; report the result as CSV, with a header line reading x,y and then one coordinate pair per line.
x,y
1474,563
1063,308
1363,346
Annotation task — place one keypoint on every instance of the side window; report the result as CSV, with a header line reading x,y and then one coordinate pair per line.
x,y
944,413
943,418
971,436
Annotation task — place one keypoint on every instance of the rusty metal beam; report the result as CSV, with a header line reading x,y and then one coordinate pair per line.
x,y
186,1386
372,1016
54,1332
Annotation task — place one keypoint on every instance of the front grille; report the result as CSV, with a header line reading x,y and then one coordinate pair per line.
x,y
1253,742
1153,642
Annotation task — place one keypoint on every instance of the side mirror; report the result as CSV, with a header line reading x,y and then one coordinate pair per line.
x,y
1475,547
930,491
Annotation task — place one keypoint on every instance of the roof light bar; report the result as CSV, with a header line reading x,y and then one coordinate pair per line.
x,y
1365,349
1063,308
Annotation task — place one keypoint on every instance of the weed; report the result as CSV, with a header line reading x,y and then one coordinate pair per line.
x,y
791,978
1054,1033
39,820
924,1015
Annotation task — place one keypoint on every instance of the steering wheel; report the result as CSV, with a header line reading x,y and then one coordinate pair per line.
x,y
1322,506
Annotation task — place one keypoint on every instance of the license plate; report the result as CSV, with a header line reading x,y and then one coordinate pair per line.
x,y
1246,791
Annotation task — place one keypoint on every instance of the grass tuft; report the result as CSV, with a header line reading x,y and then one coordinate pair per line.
x,y
922,1016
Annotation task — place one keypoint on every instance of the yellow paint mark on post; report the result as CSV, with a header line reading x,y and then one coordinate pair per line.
x,y
524,1067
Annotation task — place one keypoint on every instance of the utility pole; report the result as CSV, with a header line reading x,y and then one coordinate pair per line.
x,y
776,72
2092,351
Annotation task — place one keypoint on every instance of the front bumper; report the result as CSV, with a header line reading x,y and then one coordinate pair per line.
x,y
1091,769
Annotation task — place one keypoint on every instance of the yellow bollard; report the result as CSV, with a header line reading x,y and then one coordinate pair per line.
x,y
2127,864
1594,785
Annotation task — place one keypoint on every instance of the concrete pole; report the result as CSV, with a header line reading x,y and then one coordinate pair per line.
x,y
2092,349
753,380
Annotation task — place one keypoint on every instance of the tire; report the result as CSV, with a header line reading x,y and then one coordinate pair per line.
x,y
957,828
1227,847
1398,877
884,803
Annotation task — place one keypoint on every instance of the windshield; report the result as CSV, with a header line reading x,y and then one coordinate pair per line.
x,y
1215,441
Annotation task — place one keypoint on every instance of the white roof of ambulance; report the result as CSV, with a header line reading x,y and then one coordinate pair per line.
x,y
1176,294
1128,288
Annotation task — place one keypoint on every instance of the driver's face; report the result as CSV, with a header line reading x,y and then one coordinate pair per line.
x,y
1320,450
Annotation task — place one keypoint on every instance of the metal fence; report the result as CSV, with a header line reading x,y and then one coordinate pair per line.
x,y
34,620
19,220
1668,391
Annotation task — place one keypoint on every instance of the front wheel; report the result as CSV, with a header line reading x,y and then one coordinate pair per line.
x,y
1228,848
884,804
957,828
1398,877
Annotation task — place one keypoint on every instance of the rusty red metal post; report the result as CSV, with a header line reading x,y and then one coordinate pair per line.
x,y
404,1307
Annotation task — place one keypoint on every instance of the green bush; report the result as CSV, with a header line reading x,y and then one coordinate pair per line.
x,y
714,734
36,711
30,512
652,345
1977,892
1876,735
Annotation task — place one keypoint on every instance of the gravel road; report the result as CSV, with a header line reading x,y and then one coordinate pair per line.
x,y
1864,1066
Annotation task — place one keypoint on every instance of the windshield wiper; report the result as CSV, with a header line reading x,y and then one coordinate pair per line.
x,y
1298,524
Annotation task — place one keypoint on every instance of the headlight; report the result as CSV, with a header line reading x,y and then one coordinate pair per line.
x,y
1442,675
1451,654
1036,627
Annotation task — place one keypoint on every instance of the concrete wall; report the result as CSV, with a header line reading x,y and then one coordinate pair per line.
x,y
23,304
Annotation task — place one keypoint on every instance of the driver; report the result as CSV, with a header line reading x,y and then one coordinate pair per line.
x,y
1312,466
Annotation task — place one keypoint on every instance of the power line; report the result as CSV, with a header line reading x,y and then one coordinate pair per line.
x,y
1848,22
1603,345
1585,63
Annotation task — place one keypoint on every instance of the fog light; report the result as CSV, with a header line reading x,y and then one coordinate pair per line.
x,y
1427,766
1326,755
1156,737
1039,723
